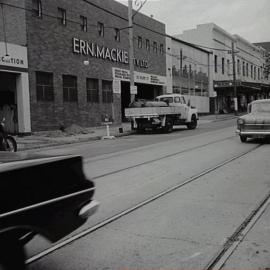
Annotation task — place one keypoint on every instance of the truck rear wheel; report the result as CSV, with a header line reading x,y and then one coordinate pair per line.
x,y
193,123
12,256
168,126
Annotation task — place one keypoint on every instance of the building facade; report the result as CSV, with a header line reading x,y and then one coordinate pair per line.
x,y
75,62
232,55
188,72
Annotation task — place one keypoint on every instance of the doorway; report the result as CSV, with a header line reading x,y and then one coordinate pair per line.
x,y
8,101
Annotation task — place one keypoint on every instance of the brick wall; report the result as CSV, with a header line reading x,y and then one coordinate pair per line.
x,y
14,16
50,50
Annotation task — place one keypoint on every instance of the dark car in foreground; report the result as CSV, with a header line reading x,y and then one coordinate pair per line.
x,y
255,124
49,196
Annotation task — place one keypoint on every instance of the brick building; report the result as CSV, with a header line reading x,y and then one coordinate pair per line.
x,y
63,63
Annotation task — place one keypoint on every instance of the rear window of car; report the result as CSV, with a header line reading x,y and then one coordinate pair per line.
x,y
167,99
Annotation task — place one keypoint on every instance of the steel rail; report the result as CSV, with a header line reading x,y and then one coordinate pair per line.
x,y
238,236
160,158
133,208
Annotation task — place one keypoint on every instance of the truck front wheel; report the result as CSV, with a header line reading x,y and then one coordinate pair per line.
x,y
193,122
12,256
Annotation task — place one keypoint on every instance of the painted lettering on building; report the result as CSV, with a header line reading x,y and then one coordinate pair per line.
x,y
15,61
92,49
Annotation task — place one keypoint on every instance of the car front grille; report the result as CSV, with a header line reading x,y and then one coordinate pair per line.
x,y
251,127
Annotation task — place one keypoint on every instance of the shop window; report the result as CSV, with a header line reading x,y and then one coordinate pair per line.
x,y
92,90
155,46
139,42
222,65
62,16
147,44
70,92
83,23
215,63
107,94
100,29
44,86
37,8
161,48
117,34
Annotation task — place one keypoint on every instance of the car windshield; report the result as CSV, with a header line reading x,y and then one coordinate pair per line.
x,y
261,107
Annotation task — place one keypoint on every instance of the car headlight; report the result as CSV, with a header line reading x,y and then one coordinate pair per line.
x,y
240,121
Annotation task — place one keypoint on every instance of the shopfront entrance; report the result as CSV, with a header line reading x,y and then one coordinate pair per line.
x,y
8,101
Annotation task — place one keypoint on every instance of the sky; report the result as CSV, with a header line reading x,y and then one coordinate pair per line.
x,y
249,19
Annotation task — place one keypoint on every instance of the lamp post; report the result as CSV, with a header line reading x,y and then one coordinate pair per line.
x,y
131,49
234,82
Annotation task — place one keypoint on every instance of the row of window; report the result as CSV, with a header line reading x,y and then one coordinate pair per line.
x,y
45,88
148,46
247,70
62,19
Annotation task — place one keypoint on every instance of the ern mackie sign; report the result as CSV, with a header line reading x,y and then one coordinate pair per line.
x,y
94,50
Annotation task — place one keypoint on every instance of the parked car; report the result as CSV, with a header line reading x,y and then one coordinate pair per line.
x,y
49,196
255,124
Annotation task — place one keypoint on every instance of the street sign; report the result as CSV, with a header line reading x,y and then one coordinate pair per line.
x,y
133,90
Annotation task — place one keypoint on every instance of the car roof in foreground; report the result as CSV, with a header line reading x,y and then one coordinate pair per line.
x,y
10,160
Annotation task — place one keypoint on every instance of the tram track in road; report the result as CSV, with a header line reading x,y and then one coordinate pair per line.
x,y
127,211
156,159
232,242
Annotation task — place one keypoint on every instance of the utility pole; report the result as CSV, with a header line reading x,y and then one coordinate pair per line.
x,y
234,81
131,49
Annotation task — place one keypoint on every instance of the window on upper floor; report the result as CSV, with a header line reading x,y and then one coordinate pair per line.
x,y
117,34
255,73
251,71
259,75
238,67
44,86
92,90
83,23
37,8
101,31
243,71
247,71
222,65
62,16
155,46
161,48
228,67
215,64
70,92
147,44
139,42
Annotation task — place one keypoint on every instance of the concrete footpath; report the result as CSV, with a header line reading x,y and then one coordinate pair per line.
x,y
75,134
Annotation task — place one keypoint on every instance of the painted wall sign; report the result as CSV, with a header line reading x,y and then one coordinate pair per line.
x,y
92,49
17,55
139,77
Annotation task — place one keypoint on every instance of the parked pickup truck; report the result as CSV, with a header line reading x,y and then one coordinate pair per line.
x,y
49,196
163,113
